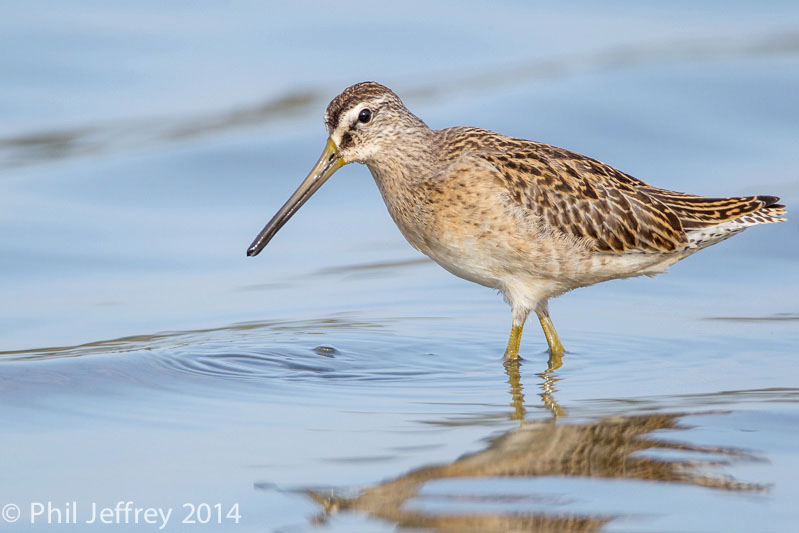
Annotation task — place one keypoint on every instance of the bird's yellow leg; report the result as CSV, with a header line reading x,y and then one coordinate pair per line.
x,y
555,347
512,351
555,361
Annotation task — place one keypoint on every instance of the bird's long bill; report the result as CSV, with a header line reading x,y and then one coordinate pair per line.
x,y
329,162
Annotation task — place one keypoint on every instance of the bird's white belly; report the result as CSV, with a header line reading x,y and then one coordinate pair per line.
x,y
528,278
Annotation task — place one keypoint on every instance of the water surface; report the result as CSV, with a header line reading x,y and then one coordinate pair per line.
x,y
340,378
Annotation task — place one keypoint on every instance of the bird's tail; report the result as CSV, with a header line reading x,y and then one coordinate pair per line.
x,y
709,220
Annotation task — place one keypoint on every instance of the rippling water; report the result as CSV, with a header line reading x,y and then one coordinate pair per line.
x,y
340,378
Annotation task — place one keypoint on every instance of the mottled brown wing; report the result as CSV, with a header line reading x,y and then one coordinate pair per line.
x,y
697,212
588,199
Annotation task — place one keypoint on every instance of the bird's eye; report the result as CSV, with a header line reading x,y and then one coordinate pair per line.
x,y
365,115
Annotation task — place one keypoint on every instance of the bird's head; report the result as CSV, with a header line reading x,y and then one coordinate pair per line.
x,y
366,120
364,123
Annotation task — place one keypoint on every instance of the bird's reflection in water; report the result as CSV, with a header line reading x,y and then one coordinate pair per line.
x,y
548,377
603,448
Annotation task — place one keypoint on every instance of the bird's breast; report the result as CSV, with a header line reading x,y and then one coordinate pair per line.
x,y
461,229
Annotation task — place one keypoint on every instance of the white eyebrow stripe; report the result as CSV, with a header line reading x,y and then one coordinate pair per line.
x,y
349,118
345,122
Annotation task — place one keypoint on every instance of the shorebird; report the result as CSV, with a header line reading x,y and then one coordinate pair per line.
x,y
528,219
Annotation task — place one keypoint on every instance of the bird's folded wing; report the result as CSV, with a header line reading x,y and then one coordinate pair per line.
x,y
587,199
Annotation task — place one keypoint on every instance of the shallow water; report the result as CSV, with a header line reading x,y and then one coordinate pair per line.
x,y
340,378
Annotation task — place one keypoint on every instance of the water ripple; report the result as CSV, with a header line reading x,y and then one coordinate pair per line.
x,y
257,352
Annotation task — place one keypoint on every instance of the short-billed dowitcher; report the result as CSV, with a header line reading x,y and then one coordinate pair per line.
x,y
528,219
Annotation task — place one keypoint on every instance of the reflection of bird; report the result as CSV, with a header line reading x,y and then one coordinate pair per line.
x,y
608,448
526,218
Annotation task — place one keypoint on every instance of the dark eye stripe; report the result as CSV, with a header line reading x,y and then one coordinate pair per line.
x,y
346,141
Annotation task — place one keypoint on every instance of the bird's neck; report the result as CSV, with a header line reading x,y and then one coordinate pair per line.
x,y
402,173
405,160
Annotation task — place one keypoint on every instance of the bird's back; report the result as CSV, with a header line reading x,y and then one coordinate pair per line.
x,y
590,200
